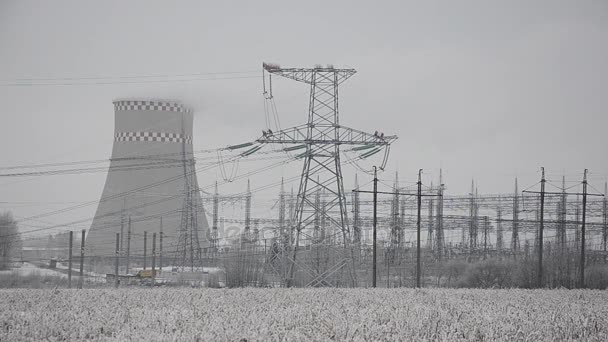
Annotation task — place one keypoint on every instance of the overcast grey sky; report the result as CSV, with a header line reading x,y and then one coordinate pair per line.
x,y
488,90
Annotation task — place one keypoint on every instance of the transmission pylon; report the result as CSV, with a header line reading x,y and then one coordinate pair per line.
x,y
282,228
188,252
515,228
395,242
321,138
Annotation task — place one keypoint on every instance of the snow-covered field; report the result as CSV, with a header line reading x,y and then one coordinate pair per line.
x,y
166,314
28,269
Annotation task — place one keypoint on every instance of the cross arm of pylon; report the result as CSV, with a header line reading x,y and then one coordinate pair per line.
x,y
347,136
306,74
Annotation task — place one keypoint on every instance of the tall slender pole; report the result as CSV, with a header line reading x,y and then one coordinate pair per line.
x,y
486,226
70,260
541,228
582,279
215,221
128,246
153,258
80,279
375,223
145,248
439,237
117,260
499,242
122,224
605,215
160,253
472,236
515,231
418,228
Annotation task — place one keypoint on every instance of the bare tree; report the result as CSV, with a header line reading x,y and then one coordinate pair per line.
x,y
9,239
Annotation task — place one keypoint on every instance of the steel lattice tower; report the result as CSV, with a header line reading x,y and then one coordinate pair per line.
x,y
282,206
515,230
321,137
395,229
188,252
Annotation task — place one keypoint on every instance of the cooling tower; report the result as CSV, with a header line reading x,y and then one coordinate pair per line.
x,y
150,179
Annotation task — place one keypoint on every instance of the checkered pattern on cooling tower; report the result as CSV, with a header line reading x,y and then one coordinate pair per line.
x,y
153,136
150,105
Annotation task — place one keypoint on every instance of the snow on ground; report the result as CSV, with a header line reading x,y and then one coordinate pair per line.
x,y
27,269
169,314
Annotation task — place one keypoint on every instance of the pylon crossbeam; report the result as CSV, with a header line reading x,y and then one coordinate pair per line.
x,y
307,75
348,136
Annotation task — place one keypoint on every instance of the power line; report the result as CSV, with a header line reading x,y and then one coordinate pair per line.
x,y
130,77
122,82
265,168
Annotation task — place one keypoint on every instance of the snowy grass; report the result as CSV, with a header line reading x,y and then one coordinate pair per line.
x,y
32,277
166,314
29,269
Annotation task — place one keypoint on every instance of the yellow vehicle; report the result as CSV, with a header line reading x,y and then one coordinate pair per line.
x,y
145,274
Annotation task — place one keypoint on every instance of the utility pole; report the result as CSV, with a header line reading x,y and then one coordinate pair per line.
x,y
122,224
128,245
431,231
356,219
160,254
216,203
122,231
582,278
317,222
419,197
472,223
577,219
562,193
605,215
541,228
486,226
439,236
153,258
117,260
282,229
247,210
80,279
375,224
145,247
70,261
324,219
499,242
562,212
